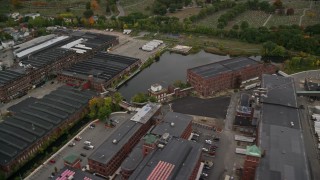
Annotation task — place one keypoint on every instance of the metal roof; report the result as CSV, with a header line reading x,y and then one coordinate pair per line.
x,y
145,113
173,123
229,65
34,118
183,154
41,46
103,66
7,76
280,133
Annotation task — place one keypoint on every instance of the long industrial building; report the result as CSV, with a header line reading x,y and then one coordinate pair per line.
x,y
227,74
165,146
280,136
35,121
100,71
107,158
39,61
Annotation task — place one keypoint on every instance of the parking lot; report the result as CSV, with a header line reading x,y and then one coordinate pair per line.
x,y
96,136
129,46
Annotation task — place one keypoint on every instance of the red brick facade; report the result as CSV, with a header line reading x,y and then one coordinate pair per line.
x,y
111,167
34,149
227,80
33,77
249,167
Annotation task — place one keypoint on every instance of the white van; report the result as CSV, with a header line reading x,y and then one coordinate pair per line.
x,y
87,143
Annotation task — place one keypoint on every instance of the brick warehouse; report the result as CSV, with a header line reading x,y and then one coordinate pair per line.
x,y
39,62
35,121
107,158
170,135
99,72
211,78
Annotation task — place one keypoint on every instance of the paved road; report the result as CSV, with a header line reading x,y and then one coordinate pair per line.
x,y
120,9
96,136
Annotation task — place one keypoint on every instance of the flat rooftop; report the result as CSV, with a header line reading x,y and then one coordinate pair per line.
x,y
146,112
285,156
281,90
173,123
8,76
181,155
103,66
34,118
229,65
109,148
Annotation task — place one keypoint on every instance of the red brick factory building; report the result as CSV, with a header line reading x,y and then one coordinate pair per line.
x,y
107,158
100,71
35,121
41,60
227,74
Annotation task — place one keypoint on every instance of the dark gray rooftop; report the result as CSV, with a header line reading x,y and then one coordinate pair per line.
x,y
8,76
229,65
34,118
47,57
280,90
107,150
103,66
183,154
181,121
283,144
134,158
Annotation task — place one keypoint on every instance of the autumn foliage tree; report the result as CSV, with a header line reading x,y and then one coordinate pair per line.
x,y
278,4
94,5
16,3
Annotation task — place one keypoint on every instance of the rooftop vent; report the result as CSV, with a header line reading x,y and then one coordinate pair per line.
x,y
114,141
172,124
160,146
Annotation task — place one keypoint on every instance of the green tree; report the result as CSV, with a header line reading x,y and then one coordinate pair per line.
x,y
117,97
244,25
139,98
88,13
153,99
88,5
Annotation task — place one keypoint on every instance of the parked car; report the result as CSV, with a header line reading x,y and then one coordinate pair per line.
x,y
91,147
208,141
86,148
205,149
52,161
71,144
83,155
78,138
92,126
204,174
87,143
195,134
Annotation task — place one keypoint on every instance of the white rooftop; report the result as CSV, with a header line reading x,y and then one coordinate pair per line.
x,y
40,46
145,113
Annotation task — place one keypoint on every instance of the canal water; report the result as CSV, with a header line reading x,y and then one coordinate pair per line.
x,y
169,68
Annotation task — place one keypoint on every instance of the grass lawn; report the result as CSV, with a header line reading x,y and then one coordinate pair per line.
x,y
212,20
312,16
220,46
277,20
51,8
184,13
143,6
254,18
